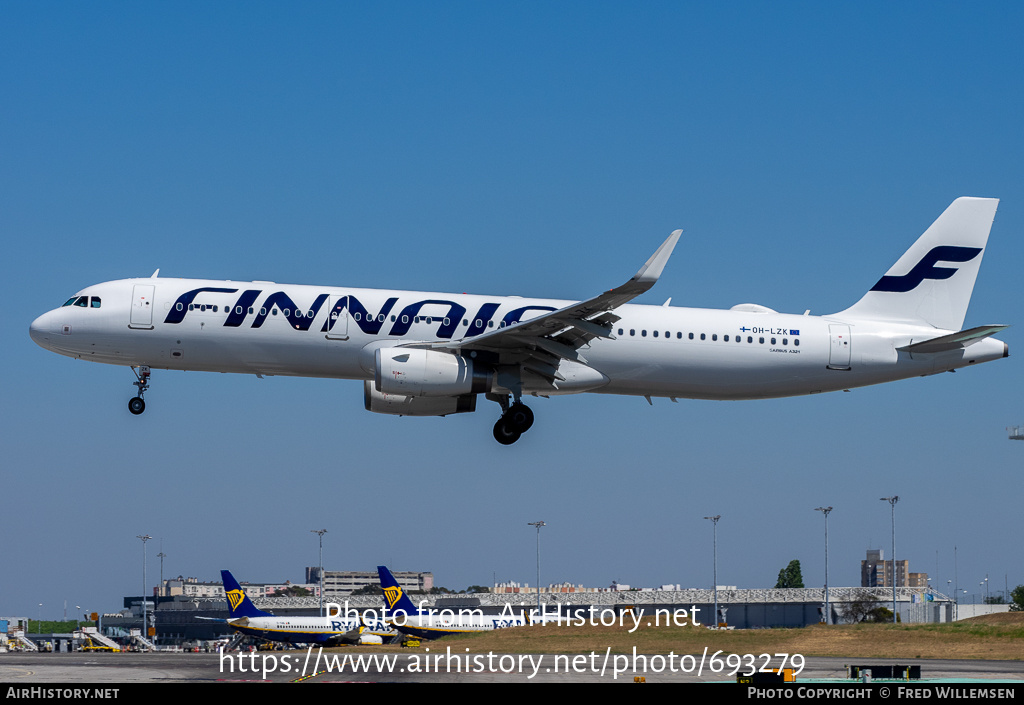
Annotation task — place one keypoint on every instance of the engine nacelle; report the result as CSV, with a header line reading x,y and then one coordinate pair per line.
x,y
416,372
401,405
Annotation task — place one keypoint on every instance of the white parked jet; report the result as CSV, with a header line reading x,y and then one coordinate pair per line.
x,y
433,623
430,354
332,630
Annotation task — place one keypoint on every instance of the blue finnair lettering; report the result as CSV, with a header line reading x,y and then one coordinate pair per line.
x,y
367,322
241,308
449,321
180,307
926,269
478,324
299,318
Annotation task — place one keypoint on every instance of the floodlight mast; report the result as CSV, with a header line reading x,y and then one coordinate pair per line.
x,y
828,613
538,524
714,521
321,533
892,502
145,623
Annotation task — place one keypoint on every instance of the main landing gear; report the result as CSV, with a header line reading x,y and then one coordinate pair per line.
x,y
136,404
516,419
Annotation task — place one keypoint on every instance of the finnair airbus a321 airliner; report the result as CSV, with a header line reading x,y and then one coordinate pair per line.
x,y
431,354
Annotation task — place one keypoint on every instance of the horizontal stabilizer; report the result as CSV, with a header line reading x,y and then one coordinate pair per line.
x,y
953,341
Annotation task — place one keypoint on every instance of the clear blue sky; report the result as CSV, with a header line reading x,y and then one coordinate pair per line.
x,y
540,149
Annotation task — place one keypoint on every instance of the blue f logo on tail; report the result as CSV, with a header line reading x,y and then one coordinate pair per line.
x,y
926,269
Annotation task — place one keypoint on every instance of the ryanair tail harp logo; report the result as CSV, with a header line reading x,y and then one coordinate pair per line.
x,y
235,598
392,594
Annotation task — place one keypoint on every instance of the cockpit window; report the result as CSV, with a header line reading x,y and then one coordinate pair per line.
x,y
83,301
95,302
70,301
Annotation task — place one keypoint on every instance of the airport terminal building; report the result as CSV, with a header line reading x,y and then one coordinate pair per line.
x,y
176,619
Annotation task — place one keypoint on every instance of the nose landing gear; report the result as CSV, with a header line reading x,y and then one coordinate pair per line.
x,y
136,404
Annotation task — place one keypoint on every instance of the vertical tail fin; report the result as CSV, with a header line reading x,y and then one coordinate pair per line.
x,y
394,595
916,288
239,604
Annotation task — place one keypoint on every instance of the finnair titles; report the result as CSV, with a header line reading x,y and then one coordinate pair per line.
x,y
433,354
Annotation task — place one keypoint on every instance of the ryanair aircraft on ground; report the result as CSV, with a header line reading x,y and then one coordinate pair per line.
x,y
432,623
432,354
328,631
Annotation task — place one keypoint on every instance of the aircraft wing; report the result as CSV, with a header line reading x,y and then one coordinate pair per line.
x,y
559,334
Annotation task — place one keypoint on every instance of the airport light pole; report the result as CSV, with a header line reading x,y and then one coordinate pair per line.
x,y
161,556
320,533
828,613
892,503
145,619
538,524
714,522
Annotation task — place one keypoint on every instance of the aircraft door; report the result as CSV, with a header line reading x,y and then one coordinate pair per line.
x,y
839,348
337,322
142,306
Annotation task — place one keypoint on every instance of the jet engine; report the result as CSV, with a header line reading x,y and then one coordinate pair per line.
x,y
416,372
401,405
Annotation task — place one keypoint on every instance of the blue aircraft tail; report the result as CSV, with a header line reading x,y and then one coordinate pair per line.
x,y
239,604
394,595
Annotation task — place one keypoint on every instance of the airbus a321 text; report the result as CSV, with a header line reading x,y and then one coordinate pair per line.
x,y
432,354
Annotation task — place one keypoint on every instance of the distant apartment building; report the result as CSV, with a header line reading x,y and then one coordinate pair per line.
x,y
875,571
193,587
338,583
514,588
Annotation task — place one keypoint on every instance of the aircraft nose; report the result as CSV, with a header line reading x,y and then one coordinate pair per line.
x,y
40,331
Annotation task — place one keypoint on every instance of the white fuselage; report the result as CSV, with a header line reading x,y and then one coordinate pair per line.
x,y
304,630
434,624
273,329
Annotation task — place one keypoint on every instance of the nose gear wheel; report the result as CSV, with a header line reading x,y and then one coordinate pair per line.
x,y
136,404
